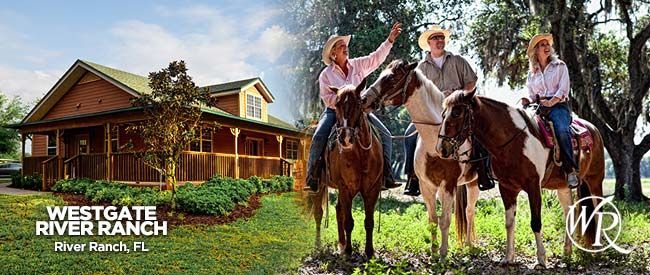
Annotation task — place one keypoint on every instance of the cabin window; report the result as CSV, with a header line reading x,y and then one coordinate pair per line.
x,y
203,142
254,147
291,149
115,139
51,145
253,106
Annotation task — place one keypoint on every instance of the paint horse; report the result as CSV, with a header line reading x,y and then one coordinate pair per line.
x,y
403,84
520,161
354,165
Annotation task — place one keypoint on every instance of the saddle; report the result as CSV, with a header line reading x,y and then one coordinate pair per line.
x,y
581,136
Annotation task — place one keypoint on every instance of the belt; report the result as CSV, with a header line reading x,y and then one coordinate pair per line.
x,y
550,97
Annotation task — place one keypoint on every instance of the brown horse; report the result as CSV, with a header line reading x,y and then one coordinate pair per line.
x,y
354,165
519,160
402,84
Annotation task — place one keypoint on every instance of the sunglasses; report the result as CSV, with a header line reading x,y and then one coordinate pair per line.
x,y
437,37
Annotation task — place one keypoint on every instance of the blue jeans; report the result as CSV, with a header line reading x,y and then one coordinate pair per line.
x,y
324,128
561,117
409,149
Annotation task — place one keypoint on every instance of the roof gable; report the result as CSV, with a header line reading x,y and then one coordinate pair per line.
x,y
240,86
128,82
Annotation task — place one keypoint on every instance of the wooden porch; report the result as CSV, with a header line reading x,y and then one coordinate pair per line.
x,y
130,167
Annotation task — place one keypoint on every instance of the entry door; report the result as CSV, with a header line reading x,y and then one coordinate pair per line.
x,y
78,145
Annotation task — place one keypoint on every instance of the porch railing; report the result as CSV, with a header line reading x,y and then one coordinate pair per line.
x,y
92,166
130,167
51,172
34,165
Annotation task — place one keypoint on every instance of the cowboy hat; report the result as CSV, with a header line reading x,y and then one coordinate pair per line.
x,y
536,39
327,49
424,37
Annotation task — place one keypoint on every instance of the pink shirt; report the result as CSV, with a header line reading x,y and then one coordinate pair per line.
x,y
552,82
358,69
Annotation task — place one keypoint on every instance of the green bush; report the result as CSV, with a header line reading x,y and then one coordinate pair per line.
x,y
217,196
112,192
31,182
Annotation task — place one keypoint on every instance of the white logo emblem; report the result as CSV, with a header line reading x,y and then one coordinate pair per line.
x,y
583,220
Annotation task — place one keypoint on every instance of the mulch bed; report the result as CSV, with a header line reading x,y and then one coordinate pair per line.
x,y
182,218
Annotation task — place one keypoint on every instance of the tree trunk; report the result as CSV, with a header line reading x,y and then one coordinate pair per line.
x,y
634,187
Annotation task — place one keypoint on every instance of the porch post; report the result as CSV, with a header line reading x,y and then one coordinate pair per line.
x,y
59,154
22,153
280,138
109,151
235,132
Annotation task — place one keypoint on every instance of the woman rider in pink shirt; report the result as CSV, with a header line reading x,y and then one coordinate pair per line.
x,y
342,71
548,79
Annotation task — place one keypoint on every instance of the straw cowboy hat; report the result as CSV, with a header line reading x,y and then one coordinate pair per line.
x,y
424,37
536,39
327,49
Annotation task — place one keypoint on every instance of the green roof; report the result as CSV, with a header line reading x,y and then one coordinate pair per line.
x,y
136,82
140,84
229,86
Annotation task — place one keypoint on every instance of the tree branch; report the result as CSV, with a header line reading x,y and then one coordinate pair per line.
x,y
627,20
426,24
607,21
642,148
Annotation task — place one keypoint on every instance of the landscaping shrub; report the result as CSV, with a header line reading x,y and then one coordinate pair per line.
x,y
31,182
217,196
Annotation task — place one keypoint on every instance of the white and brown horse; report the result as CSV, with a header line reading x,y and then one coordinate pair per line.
x,y
354,165
519,160
403,84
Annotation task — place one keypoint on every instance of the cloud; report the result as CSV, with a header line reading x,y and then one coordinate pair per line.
x,y
30,85
273,42
223,48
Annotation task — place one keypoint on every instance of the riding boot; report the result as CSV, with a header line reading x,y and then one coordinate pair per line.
x,y
311,183
412,186
389,181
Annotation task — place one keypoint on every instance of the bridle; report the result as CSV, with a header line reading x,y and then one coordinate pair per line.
x,y
467,132
457,140
399,89
355,130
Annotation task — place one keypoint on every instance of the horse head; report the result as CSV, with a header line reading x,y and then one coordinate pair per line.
x,y
392,85
457,123
349,114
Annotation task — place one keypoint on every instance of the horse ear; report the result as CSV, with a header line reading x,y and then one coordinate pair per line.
x,y
334,89
361,86
411,66
469,95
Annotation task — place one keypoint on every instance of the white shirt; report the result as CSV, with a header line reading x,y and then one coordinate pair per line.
x,y
439,61
552,82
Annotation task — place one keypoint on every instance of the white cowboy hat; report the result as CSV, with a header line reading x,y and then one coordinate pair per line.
x,y
536,39
327,49
424,37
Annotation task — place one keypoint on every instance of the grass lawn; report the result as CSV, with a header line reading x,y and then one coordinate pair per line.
x,y
272,241
608,186
404,235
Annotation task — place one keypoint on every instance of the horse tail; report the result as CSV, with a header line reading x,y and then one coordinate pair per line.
x,y
461,215
590,233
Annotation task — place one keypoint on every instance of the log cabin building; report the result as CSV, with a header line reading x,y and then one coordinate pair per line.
x,y
78,130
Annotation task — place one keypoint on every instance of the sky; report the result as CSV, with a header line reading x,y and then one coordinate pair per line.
x,y
220,41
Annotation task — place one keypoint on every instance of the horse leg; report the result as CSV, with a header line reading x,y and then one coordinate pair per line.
x,y
369,203
340,222
429,191
318,216
347,223
447,199
509,199
535,202
470,211
566,200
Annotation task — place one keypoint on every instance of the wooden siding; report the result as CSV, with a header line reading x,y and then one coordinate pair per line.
x,y
90,97
39,145
223,141
229,103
